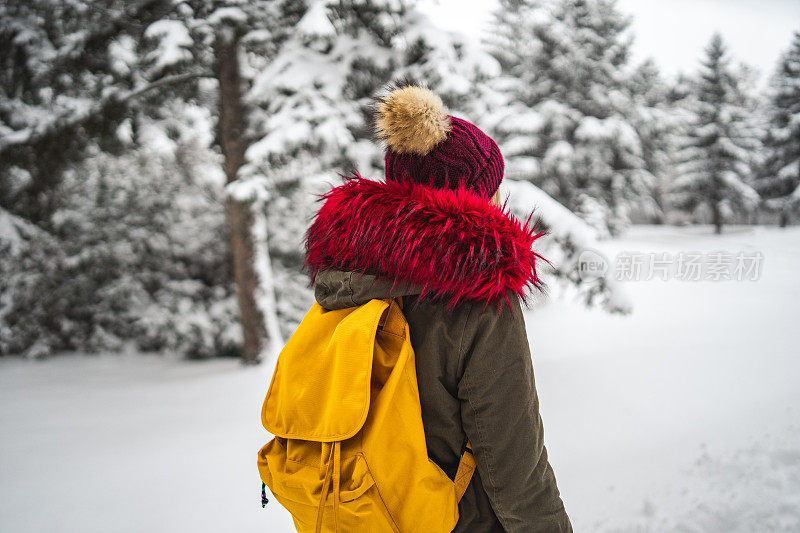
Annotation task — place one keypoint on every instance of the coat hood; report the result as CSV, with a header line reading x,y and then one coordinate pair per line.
x,y
410,238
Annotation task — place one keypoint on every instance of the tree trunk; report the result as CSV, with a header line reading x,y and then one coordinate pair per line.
x,y
784,219
240,218
717,217
716,197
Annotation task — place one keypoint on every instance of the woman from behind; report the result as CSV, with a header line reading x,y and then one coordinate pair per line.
x,y
431,236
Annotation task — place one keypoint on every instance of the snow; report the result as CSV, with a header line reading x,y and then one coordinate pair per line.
x,y
130,443
227,14
524,195
524,122
173,41
591,129
8,231
568,236
14,231
682,416
748,195
279,139
559,150
11,138
155,138
315,21
453,59
789,170
122,54
679,417
265,295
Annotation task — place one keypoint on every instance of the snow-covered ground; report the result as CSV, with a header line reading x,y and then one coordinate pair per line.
x,y
680,417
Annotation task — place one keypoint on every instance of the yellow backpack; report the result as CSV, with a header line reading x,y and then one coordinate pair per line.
x,y
349,451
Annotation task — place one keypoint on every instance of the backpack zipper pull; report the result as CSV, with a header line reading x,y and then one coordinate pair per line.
x,y
264,500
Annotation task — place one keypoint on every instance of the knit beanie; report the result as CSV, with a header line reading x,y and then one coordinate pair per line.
x,y
426,145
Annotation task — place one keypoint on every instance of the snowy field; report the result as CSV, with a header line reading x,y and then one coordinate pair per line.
x,y
683,416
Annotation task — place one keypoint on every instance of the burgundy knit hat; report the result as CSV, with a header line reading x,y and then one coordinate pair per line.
x,y
426,145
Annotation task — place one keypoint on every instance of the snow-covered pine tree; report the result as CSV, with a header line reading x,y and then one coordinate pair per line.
x,y
123,261
216,36
104,169
717,161
65,84
779,184
660,124
511,19
567,123
90,78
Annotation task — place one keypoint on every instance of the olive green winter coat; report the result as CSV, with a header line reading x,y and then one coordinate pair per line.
x,y
475,382
460,265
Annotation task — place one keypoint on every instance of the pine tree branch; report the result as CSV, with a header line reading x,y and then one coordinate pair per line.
x,y
166,80
35,133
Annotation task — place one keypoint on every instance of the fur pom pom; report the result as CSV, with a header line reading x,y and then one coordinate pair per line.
x,y
412,119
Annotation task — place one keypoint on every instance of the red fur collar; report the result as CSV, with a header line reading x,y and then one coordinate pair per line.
x,y
455,245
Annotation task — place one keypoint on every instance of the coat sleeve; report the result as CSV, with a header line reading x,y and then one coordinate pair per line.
x,y
500,414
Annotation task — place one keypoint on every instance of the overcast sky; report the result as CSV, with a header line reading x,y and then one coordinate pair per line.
x,y
673,32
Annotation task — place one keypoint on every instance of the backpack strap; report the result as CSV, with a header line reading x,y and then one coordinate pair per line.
x,y
332,473
393,320
466,467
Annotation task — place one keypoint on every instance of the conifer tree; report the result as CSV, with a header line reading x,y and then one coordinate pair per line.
x,y
65,84
780,178
83,80
717,161
567,123
660,124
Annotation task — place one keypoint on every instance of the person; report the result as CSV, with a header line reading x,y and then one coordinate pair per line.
x,y
431,236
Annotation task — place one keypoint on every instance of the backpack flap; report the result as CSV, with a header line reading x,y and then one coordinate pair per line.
x,y
320,390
